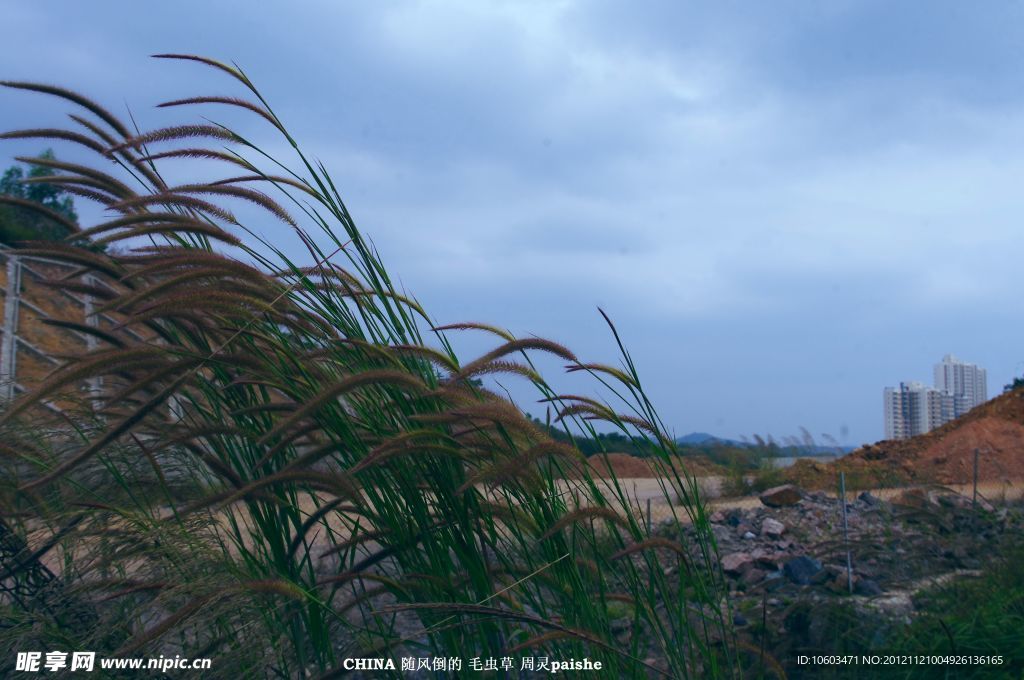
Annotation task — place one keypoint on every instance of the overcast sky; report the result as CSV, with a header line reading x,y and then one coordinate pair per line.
x,y
784,207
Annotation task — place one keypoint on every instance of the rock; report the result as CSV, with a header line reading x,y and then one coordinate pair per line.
x,y
839,584
956,552
954,500
737,563
739,620
912,498
717,517
867,587
821,577
749,536
867,499
782,496
772,527
864,571
801,570
752,576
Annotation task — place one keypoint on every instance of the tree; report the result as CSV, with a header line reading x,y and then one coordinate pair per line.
x,y
1015,385
19,223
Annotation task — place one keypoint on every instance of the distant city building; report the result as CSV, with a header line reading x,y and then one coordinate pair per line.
x,y
965,382
914,408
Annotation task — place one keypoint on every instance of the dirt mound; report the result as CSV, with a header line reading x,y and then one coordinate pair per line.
x,y
943,456
625,466
1000,453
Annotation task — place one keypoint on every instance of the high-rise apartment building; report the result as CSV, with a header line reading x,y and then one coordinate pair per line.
x,y
966,382
914,408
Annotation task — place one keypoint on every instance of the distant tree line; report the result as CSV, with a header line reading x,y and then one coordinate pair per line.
x,y
717,451
19,222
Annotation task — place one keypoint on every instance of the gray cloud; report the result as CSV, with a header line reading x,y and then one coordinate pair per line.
x,y
785,208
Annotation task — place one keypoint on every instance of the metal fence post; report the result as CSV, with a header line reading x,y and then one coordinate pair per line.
x,y
974,501
846,532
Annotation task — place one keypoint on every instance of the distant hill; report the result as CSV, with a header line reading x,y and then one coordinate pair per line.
x,y
698,438
704,440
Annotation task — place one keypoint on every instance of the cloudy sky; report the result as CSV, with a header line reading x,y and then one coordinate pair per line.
x,y
783,206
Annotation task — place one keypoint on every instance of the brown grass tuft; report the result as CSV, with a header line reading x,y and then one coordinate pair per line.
x,y
73,97
170,134
587,513
230,101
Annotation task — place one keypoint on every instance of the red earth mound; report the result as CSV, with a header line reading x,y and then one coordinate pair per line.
x,y
626,466
946,455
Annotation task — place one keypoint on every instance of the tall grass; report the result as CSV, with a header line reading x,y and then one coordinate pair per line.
x,y
289,465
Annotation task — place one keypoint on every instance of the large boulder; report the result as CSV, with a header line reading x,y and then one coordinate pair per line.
x,y
782,496
736,563
802,570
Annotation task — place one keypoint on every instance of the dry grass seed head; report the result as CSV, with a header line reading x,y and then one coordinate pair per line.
x,y
175,133
522,464
379,378
379,456
220,66
205,154
200,228
508,367
169,198
472,325
230,101
42,210
586,513
256,197
616,373
337,484
74,97
97,363
113,185
273,179
653,543
512,346
56,133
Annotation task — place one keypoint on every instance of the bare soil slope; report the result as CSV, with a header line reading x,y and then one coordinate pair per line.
x,y
944,455
626,466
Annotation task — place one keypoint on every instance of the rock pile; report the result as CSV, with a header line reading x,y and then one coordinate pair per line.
x,y
795,540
